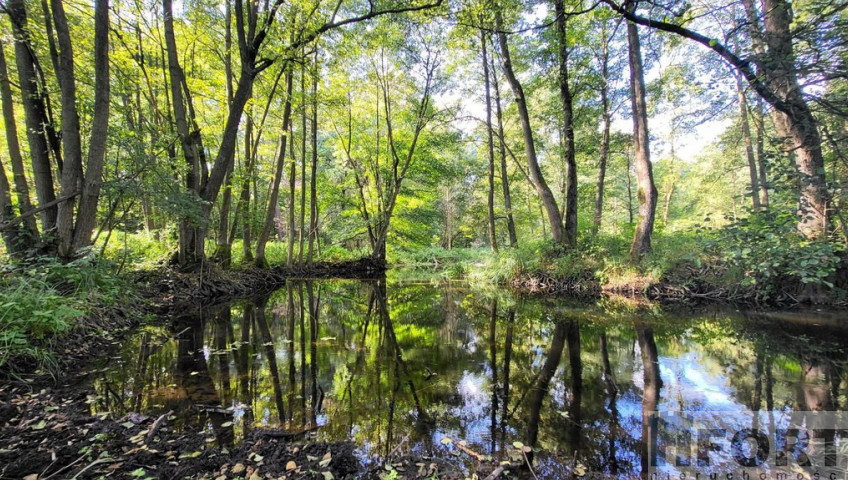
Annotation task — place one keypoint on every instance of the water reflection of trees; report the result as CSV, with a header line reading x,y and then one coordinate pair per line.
x,y
397,368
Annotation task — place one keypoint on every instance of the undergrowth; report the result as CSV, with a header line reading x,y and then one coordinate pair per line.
x,y
43,300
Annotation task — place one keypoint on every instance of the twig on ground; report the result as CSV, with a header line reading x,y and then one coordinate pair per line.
x,y
157,425
495,473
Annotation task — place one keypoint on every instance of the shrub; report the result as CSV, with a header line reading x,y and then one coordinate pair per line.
x,y
774,256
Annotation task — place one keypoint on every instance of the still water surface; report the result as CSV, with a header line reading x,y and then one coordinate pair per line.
x,y
397,368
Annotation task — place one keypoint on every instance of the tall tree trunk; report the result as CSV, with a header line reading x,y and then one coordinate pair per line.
x,y
292,175
51,37
52,137
510,221
628,180
605,135
35,114
490,144
535,173
300,237
191,235
749,144
813,205
647,192
223,253
246,211
223,247
12,234
761,154
567,133
313,173
274,195
72,175
87,212
18,173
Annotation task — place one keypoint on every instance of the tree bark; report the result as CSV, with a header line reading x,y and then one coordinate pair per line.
x,y
72,175
292,175
535,173
313,193
35,114
224,247
510,221
647,191
761,154
274,195
300,238
18,173
490,146
813,205
191,233
87,212
605,135
13,235
749,144
570,230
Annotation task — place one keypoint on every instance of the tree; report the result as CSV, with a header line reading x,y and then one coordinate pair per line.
x,y
403,106
776,82
567,100
647,193
507,195
490,144
16,159
35,113
87,211
72,175
535,173
273,197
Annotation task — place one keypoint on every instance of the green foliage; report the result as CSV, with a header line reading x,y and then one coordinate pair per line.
x,y
33,316
773,256
143,250
43,300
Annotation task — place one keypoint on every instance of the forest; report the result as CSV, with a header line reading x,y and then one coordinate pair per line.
x,y
164,157
289,132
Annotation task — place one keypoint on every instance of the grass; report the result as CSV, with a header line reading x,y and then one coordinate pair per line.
x,y
43,300
604,257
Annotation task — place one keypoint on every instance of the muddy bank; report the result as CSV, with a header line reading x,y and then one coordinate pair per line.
x,y
48,432
538,283
677,289
171,288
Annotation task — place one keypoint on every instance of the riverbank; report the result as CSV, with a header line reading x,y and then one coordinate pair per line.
x,y
49,431
682,269
54,315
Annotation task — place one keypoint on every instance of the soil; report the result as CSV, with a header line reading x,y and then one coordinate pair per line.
x,y
48,431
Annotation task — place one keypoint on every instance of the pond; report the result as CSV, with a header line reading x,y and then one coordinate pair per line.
x,y
403,368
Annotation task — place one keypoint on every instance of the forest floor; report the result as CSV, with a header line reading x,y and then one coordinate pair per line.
x,y
48,429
